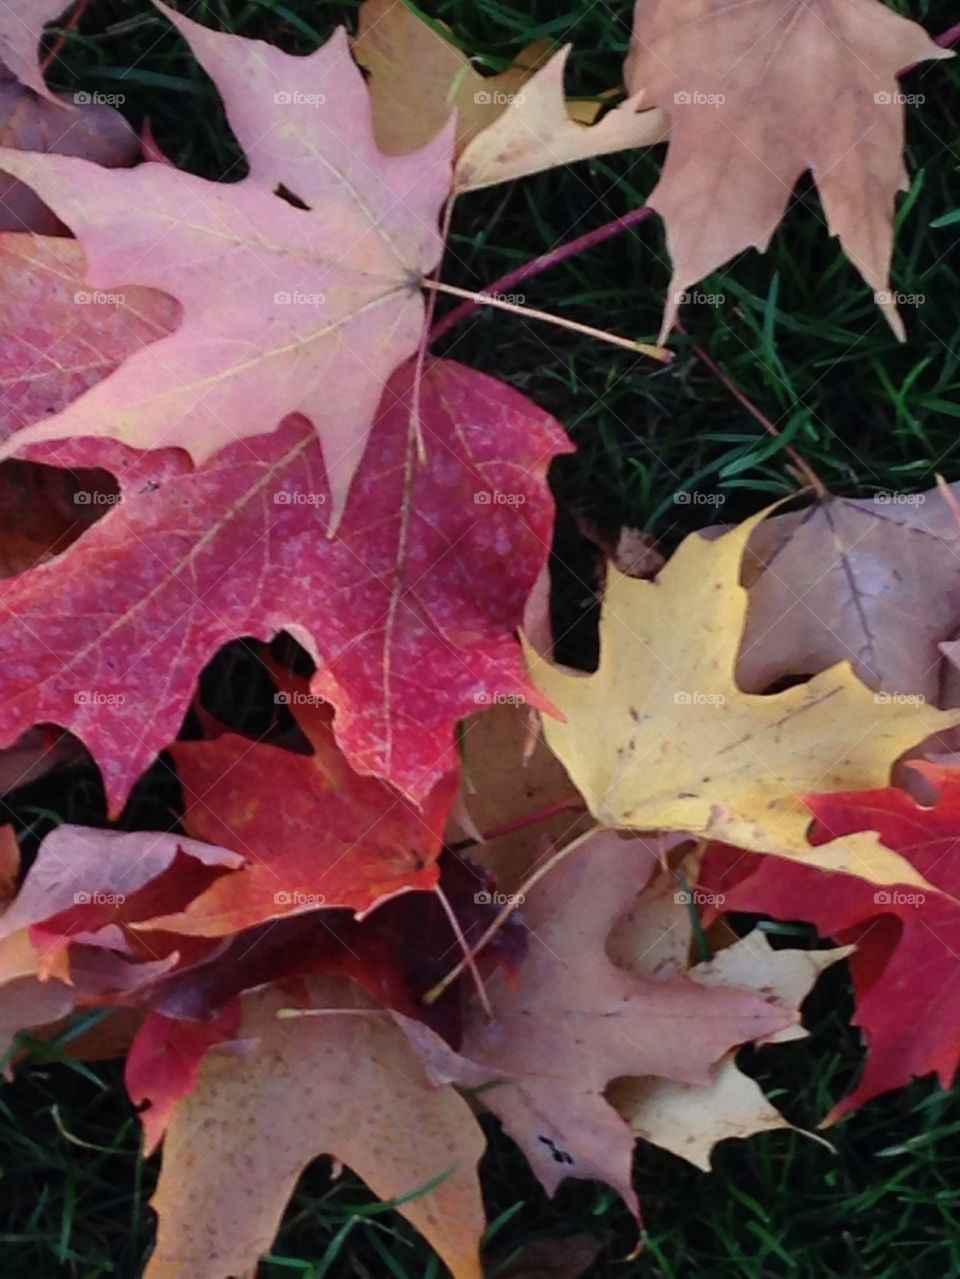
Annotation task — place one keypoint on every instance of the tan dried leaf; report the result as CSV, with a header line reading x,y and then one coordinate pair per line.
x,y
758,93
346,1084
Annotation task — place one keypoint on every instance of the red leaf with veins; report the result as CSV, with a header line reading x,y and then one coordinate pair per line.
x,y
313,832
906,971
410,611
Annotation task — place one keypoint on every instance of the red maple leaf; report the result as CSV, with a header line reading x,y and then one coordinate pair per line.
x,y
410,610
314,833
905,970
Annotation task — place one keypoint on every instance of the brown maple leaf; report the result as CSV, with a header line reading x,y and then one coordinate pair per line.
x,y
872,581
574,1020
507,125
757,94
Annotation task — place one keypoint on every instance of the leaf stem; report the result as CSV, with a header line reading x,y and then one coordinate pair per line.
x,y
516,900
574,804
541,263
531,313
291,1014
469,958
804,471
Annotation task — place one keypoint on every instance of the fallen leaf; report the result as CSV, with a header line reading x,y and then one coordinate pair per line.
x,y
572,1021
28,1004
688,1119
397,952
164,1062
345,1083
633,552
286,309
661,737
314,833
535,132
58,339
511,777
755,96
905,971
653,936
418,79
239,547
508,125
871,581
94,872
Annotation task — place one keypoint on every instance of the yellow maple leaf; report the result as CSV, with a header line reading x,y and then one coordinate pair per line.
x,y
661,738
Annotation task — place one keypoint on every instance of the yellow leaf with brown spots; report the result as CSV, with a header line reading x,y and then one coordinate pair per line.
x,y
660,737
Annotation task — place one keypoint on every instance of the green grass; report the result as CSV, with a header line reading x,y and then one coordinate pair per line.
x,y
800,336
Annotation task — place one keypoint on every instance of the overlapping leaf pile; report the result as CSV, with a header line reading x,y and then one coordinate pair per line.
x,y
403,902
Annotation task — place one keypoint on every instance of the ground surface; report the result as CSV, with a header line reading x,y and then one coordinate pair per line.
x,y
798,333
